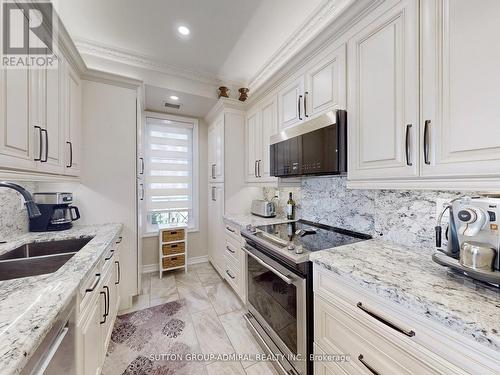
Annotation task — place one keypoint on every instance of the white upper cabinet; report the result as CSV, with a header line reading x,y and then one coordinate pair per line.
x,y
269,127
253,144
17,133
319,87
460,88
326,83
383,96
73,128
261,124
216,150
40,124
291,103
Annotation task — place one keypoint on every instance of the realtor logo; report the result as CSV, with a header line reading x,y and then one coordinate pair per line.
x,y
28,35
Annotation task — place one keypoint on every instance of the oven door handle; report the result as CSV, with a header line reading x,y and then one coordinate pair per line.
x,y
285,278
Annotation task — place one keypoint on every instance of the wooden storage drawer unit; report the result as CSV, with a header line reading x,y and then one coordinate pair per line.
x,y
173,235
175,261
173,248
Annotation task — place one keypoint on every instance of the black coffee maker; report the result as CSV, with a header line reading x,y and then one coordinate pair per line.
x,y
57,212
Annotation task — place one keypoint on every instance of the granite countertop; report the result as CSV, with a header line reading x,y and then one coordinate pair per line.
x,y
411,279
242,220
29,306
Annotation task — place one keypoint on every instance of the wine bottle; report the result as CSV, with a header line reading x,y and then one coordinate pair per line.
x,y
290,208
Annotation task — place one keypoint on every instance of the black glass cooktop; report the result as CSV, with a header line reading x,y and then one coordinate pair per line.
x,y
311,236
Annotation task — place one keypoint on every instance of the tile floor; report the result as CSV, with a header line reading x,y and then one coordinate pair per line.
x,y
215,311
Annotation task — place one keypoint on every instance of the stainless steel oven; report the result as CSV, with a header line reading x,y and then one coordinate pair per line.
x,y
277,305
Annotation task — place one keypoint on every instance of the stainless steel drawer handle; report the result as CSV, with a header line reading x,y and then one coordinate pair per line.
x,y
118,272
407,145
104,316
94,284
119,240
407,332
230,229
426,142
285,278
229,274
369,368
230,250
111,256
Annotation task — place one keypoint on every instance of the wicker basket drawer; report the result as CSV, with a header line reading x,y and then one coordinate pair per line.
x,y
173,235
175,261
173,248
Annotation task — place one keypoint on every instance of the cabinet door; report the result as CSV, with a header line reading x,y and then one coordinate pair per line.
x,y
216,226
291,103
460,88
383,96
219,149
53,123
253,144
216,150
90,339
45,111
325,84
74,118
17,132
269,127
109,288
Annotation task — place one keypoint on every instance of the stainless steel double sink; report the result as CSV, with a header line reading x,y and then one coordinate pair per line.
x,y
38,258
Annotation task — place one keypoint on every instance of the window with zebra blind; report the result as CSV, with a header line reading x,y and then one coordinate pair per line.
x,y
171,145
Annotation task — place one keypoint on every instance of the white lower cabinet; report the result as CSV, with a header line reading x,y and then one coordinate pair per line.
x,y
98,306
216,226
90,335
382,338
235,266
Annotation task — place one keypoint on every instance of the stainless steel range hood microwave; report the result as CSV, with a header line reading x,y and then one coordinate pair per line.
x,y
316,147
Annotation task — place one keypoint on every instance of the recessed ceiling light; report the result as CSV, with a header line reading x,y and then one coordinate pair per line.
x,y
183,30
174,97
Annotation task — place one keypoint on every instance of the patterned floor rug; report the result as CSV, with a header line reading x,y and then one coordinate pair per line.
x,y
143,342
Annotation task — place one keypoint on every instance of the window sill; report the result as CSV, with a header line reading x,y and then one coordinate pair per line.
x,y
155,233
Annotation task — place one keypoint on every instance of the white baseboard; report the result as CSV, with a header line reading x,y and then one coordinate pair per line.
x,y
196,260
148,268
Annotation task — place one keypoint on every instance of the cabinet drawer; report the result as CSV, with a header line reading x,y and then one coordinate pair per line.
x,y
233,275
233,232
325,365
232,251
369,347
431,338
175,261
173,235
173,248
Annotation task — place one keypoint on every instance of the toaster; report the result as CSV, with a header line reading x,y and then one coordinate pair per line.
x,y
263,208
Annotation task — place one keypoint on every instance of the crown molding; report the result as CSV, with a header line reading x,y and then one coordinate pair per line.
x,y
89,47
324,15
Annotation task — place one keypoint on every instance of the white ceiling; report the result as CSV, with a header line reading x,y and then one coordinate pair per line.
x,y
230,39
191,105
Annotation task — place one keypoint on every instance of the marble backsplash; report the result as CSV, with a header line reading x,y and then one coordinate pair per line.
x,y
13,216
403,217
